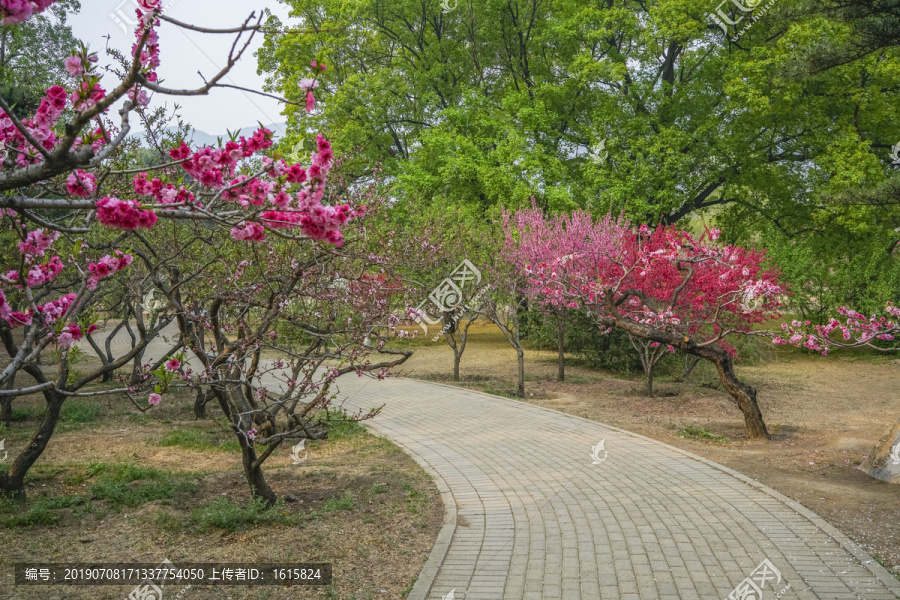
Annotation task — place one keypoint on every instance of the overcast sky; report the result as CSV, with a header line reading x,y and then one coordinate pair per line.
x,y
183,53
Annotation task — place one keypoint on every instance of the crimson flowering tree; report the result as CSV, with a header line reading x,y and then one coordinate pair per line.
x,y
669,288
62,176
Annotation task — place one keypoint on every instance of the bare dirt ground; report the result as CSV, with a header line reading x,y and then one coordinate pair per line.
x,y
826,414
360,503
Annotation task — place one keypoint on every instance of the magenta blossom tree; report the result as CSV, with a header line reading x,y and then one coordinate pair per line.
x,y
531,238
670,288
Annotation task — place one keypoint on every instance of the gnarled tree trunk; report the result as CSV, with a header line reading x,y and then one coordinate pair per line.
x,y
12,483
743,395
259,488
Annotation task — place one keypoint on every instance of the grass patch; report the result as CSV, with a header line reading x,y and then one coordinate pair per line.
x,y
125,472
695,432
340,427
118,484
186,438
27,413
415,499
78,411
191,439
230,515
345,502
43,512
125,494
497,392
167,521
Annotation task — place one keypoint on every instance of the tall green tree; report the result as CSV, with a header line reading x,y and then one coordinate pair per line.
x,y
26,69
646,107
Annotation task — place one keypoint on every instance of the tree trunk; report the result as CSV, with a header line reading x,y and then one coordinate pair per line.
x,y
252,470
745,396
457,357
255,478
200,403
12,483
648,384
136,369
520,392
561,346
6,411
6,404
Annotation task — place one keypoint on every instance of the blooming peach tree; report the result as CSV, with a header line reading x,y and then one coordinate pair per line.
x,y
666,289
79,217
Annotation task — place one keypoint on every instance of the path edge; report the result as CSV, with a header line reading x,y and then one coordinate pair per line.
x,y
429,572
880,573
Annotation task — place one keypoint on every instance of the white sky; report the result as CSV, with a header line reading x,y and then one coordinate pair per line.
x,y
183,53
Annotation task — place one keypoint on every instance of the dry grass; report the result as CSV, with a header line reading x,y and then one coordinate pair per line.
x,y
361,504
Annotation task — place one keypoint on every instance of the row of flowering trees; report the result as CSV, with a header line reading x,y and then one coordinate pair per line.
x,y
254,258
668,291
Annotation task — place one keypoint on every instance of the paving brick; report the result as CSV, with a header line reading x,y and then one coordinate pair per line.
x,y
544,523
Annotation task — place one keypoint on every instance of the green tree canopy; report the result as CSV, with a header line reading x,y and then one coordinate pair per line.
x,y
31,56
500,99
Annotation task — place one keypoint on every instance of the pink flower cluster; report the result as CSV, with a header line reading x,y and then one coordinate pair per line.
x,y
38,275
87,95
163,193
37,242
55,310
211,166
108,265
19,11
6,310
124,214
149,56
41,274
51,311
308,85
257,192
81,183
72,333
40,128
857,330
249,232
306,212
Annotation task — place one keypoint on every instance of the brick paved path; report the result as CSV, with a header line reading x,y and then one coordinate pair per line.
x,y
529,516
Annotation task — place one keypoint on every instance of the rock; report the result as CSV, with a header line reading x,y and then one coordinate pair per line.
x,y
884,459
290,498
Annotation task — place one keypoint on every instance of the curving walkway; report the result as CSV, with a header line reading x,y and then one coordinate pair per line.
x,y
528,515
